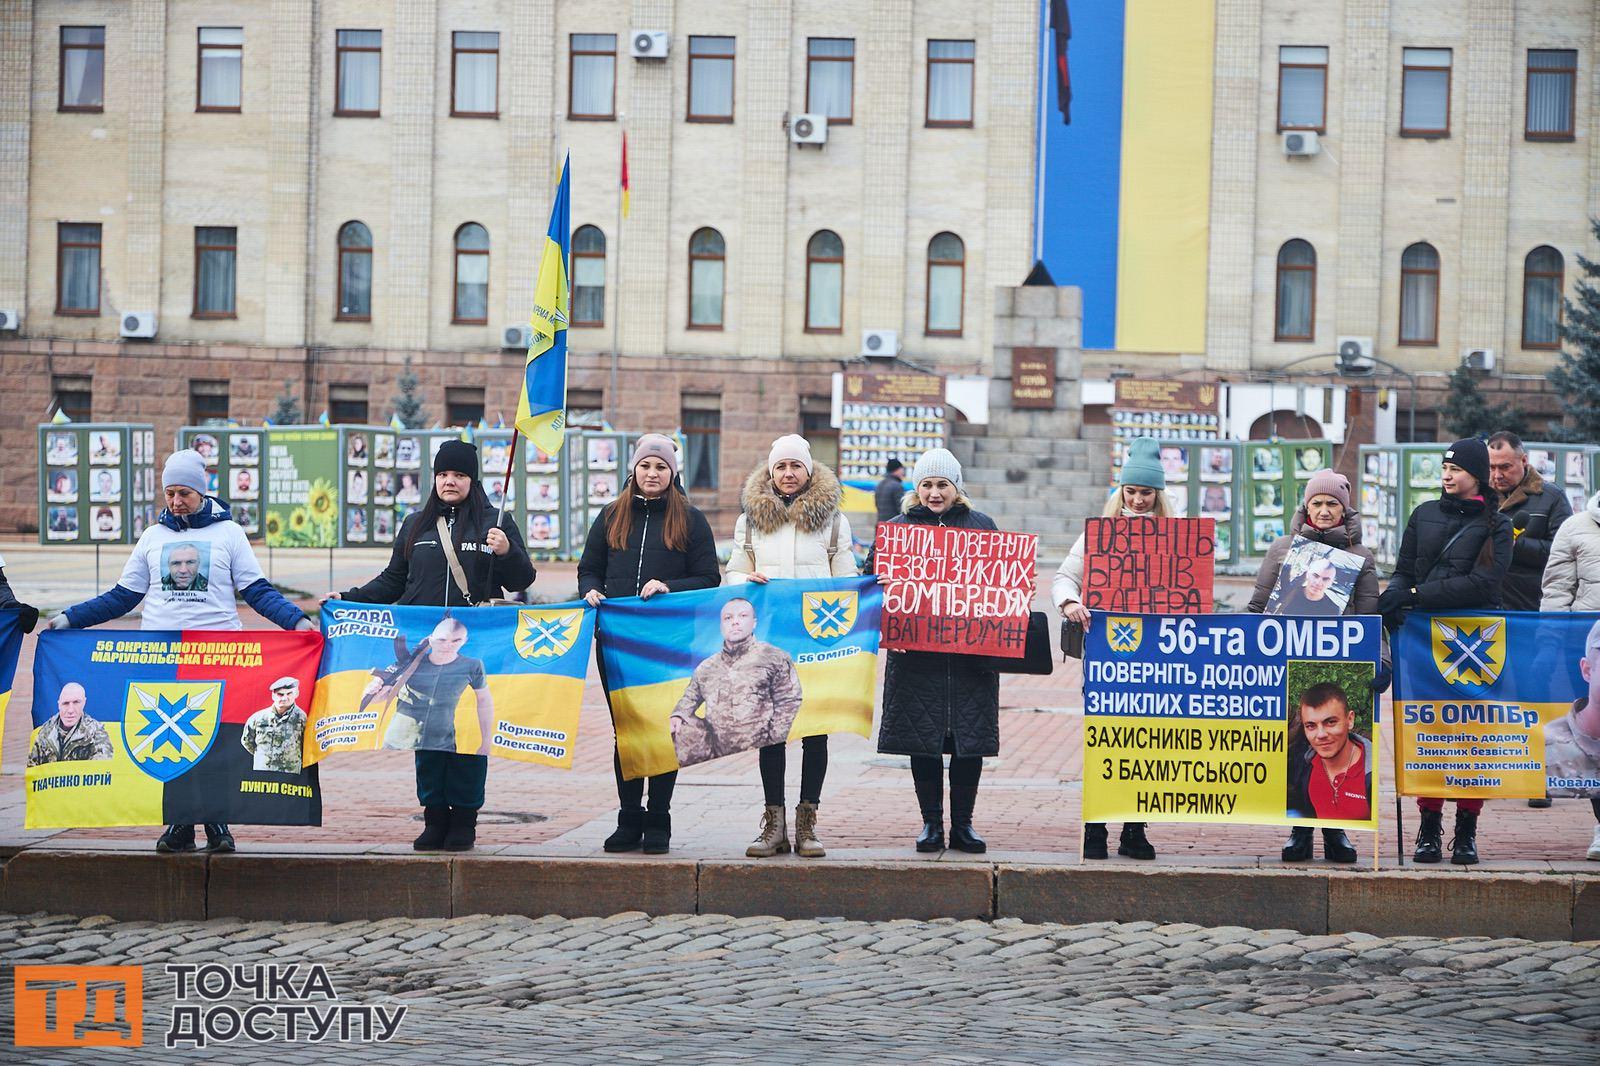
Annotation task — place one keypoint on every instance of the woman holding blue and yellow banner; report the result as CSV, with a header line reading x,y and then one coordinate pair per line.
x,y
1454,555
647,541
791,528
941,703
456,552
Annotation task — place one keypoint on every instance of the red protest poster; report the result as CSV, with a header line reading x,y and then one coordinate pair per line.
x,y
1149,565
967,591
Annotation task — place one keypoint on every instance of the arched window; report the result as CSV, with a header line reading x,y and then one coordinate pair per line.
x,y
1419,295
1542,281
588,276
707,258
824,283
1296,314
355,273
472,276
947,285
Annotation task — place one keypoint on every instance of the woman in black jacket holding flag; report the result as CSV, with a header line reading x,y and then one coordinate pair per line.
x,y
488,548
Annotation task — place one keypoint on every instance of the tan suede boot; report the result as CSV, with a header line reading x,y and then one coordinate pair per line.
x,y
774,838
806,843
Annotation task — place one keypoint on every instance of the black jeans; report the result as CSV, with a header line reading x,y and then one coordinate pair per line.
x,y
965,770
630,794
448,779
813,768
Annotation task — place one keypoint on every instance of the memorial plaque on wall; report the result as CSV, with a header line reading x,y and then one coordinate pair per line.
x,y
887,416
1033,378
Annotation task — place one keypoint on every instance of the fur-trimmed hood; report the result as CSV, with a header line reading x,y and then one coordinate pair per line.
x,y
812,510
1531,485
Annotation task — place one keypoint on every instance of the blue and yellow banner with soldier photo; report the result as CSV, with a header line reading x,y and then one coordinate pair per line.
x,y
693,676
1498,705
482,680
165,727
1246,719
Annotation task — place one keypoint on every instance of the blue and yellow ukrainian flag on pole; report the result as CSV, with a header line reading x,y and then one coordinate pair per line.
x,y
542,400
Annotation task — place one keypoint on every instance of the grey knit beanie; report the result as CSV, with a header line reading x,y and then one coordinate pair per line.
x,y
185,468
938,462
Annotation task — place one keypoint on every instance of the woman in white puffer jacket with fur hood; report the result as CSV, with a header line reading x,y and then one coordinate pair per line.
x,y
791,527
1572,576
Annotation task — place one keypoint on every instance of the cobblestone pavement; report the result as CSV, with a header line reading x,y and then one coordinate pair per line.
x,y
717,989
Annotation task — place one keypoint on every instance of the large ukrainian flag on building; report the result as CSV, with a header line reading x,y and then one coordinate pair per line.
x,y
542,400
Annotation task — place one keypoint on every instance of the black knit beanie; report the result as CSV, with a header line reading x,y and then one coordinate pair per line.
x,y
462,457
1471,455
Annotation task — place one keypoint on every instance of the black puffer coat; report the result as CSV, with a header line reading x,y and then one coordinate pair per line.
x,y
647,557
1466,575
928,695
1538,510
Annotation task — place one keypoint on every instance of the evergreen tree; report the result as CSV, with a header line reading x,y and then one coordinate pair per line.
x,y
1576,376
287,413
1467,414
406,404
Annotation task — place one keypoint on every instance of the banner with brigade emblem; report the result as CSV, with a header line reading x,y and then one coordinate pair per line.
x,y
693,676
163,728
1498,705
1124,634
479,680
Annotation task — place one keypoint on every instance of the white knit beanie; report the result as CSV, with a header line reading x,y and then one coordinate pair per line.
x,y
937,462
790,446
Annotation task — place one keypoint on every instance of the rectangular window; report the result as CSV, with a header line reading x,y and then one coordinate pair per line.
x,y
831,78
216,255
358,68
1552,89
585,408
347,404
221,68
208,403
702,440
1425,93
475,75
950,83
463,406
83,69
710,79
74,396
816,426
1302,88
592,76
78,268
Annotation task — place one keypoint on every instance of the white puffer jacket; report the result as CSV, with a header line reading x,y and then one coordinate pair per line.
x,y
1572,576
791,540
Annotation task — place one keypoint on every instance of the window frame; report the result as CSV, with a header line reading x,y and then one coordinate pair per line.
x,y
572,56
339,314
61,261
722,301
810,259
1560,277
927,299
455,275
205,389
335,402
574,322
1559,136
928,121
1449,91
1436,272
1321,127
339,51
200,249
456,395
201,47
810,59
701,404
456,52
1279,266
61,70
733,69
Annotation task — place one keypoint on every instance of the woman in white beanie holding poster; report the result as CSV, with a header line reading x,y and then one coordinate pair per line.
x,y
186,570
791,528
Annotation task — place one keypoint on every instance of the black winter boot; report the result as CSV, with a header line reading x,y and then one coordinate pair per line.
x,y
435,823
1133,843
1336,847
1430,837
218,838
932,836
1464,847
176,838
1094,840
463,831
963,798
629,834
1298,847
657,832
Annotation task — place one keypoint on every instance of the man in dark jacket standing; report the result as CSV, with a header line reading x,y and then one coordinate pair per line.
x,y
891,490
1535,510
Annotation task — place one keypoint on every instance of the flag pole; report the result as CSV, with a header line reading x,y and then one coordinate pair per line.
x,y
511,466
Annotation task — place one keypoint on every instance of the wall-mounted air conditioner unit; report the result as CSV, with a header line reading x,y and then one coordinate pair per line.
x,y
139,325
809,129
1301,143
650,44
518,337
